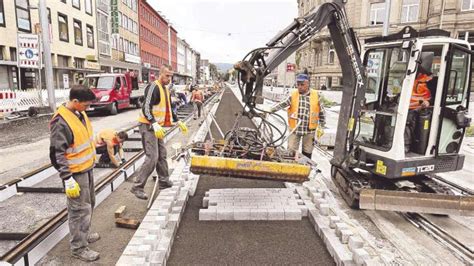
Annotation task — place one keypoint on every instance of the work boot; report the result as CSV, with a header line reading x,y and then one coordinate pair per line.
x,y
139,193
93,237
86,255
165,184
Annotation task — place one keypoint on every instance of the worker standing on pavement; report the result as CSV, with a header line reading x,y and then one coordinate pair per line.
x,y
305,116
108,142
72,153
197,98
156,114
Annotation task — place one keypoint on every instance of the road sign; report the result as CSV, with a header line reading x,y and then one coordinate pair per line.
x,y
28,50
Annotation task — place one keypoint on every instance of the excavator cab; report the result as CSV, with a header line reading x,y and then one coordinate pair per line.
x,y
413,116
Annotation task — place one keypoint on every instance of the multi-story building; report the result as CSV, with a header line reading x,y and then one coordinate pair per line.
x,y
125,38
189,62
319,58
194,64
173,47
154,41
104,34
205,74
181,62
183,74
73,40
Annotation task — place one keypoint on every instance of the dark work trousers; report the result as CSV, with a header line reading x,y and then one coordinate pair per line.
x,y
79,211
155,157
409,134
198,106
104,158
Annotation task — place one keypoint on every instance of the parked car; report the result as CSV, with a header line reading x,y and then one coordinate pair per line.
x,y
114,91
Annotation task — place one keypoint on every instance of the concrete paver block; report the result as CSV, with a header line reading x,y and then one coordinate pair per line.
x,y
292,214
144,250
345,234
207,214
304,210
340,252
205,202
333,220
355,242
360,256
276,214
241,214
157,258
324,209
340,226
225,214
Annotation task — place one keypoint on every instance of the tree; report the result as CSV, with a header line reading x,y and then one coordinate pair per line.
x,y
213,71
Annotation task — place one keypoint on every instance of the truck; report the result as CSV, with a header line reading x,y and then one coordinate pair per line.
x,y
114,91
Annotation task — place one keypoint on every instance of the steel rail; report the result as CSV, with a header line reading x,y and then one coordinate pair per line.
x,y
21,250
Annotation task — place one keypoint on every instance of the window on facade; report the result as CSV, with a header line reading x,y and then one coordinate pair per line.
x,y
120,18
125,46
22,15
467,35
467,5
130,24
78,62
88,7
121,44
90,36
410,11
63,28
2,14
12,53
77,32
125,21
331,56
76,4
377,14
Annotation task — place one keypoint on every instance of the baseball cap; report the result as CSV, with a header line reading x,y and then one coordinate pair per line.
x,y
302,77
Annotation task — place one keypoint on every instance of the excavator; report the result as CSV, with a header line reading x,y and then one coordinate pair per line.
x,y
385,153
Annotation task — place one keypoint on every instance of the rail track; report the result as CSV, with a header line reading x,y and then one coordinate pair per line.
x,y
31,247
428,223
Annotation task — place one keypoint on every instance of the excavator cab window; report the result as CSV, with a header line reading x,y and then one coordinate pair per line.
x,y
386,69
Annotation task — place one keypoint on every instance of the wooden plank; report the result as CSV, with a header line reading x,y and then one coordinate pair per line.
x,y
127,223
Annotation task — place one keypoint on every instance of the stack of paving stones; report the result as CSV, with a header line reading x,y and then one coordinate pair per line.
x,y
151,244
343,240
252,204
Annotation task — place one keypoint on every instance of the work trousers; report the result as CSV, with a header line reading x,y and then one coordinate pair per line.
x,y
155,157
104,158
409,134
308,140
198,106
80,211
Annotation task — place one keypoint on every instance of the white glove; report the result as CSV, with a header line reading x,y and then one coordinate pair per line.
x,y
159,131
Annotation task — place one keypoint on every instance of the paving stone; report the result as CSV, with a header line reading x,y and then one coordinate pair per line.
x,y
345,234
177,210
205,202
157,258
131,250
225,214
259,214
340,252
340,226
125,260
292,214
144,250
318,203
207,214
333,220
151,227
276,214
355,242
304,210
241,214
360,256
324,209
161,221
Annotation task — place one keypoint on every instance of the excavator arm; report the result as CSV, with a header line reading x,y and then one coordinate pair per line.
x,y
261,61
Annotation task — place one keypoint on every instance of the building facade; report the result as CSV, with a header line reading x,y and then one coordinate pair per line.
x,y
154,41
319,58
73,31
125,55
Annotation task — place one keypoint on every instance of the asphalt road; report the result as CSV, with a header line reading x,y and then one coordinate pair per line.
x,y
242,242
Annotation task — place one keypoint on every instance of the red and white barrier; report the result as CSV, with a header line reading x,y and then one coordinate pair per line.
x,y
8,102
21,100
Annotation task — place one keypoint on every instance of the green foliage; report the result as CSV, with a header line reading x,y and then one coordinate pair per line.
x,y
470,131
326,102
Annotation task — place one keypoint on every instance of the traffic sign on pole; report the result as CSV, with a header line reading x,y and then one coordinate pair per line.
x,y
28,51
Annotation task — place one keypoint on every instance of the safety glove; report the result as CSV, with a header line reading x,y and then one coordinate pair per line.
x,y
159,131
319,132
183,127
123,160
72,188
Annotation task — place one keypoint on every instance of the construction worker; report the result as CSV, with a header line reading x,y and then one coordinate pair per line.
x,y
420,97
156,113
108,142
305,116
197,98
72,153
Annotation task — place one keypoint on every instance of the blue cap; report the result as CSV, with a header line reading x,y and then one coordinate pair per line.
x,y
302,77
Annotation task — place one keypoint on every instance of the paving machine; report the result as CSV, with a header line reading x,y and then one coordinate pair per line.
x,y
386,150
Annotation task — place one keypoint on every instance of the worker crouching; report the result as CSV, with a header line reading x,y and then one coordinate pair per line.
x,y
72,153
108,143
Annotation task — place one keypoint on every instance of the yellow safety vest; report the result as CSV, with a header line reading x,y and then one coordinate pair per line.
x,y
313,112
160,112
81,154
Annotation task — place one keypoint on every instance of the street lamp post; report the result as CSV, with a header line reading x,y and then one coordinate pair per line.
x,y
48,65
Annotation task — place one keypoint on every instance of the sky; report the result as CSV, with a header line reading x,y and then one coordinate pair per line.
x,y
224,31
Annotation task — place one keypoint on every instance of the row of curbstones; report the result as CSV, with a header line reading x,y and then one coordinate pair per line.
x,y
341,239
151,244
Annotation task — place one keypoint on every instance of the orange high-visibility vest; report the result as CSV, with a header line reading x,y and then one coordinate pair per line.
x,y
313,112
81,154
106,134
420,91
161,111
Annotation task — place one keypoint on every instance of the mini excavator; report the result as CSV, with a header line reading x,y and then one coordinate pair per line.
x,y
378,163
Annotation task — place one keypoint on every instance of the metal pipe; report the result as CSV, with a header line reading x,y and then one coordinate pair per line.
x,y
48,64
386,23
